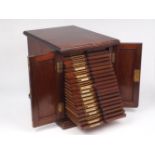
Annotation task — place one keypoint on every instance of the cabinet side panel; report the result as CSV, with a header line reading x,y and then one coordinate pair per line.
x,y
46,83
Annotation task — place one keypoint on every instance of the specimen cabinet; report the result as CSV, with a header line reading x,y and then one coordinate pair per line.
x,y
81,78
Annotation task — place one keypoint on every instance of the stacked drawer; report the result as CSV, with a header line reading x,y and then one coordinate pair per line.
x,y
106,85
81,102
91,90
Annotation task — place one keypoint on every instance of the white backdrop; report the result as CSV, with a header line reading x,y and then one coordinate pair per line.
x,y
133,134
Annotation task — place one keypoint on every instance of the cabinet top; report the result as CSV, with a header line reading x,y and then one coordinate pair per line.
x,y
71,38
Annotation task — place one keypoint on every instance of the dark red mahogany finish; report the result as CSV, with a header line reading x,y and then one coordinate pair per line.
x,y
46,51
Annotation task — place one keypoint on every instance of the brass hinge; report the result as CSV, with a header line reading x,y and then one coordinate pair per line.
x,y
136,77
60,107
59,67
113,57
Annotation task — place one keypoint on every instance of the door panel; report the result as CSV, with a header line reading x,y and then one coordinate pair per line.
x,y
42,89
128,64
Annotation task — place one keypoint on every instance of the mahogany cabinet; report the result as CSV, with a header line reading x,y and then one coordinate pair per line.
x,y
70,67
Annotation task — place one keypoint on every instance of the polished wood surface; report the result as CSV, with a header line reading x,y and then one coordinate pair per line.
x,y
68,38
128,59
47,52
42,85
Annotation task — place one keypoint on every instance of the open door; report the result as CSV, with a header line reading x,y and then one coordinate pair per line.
x,y
44,89
128,67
